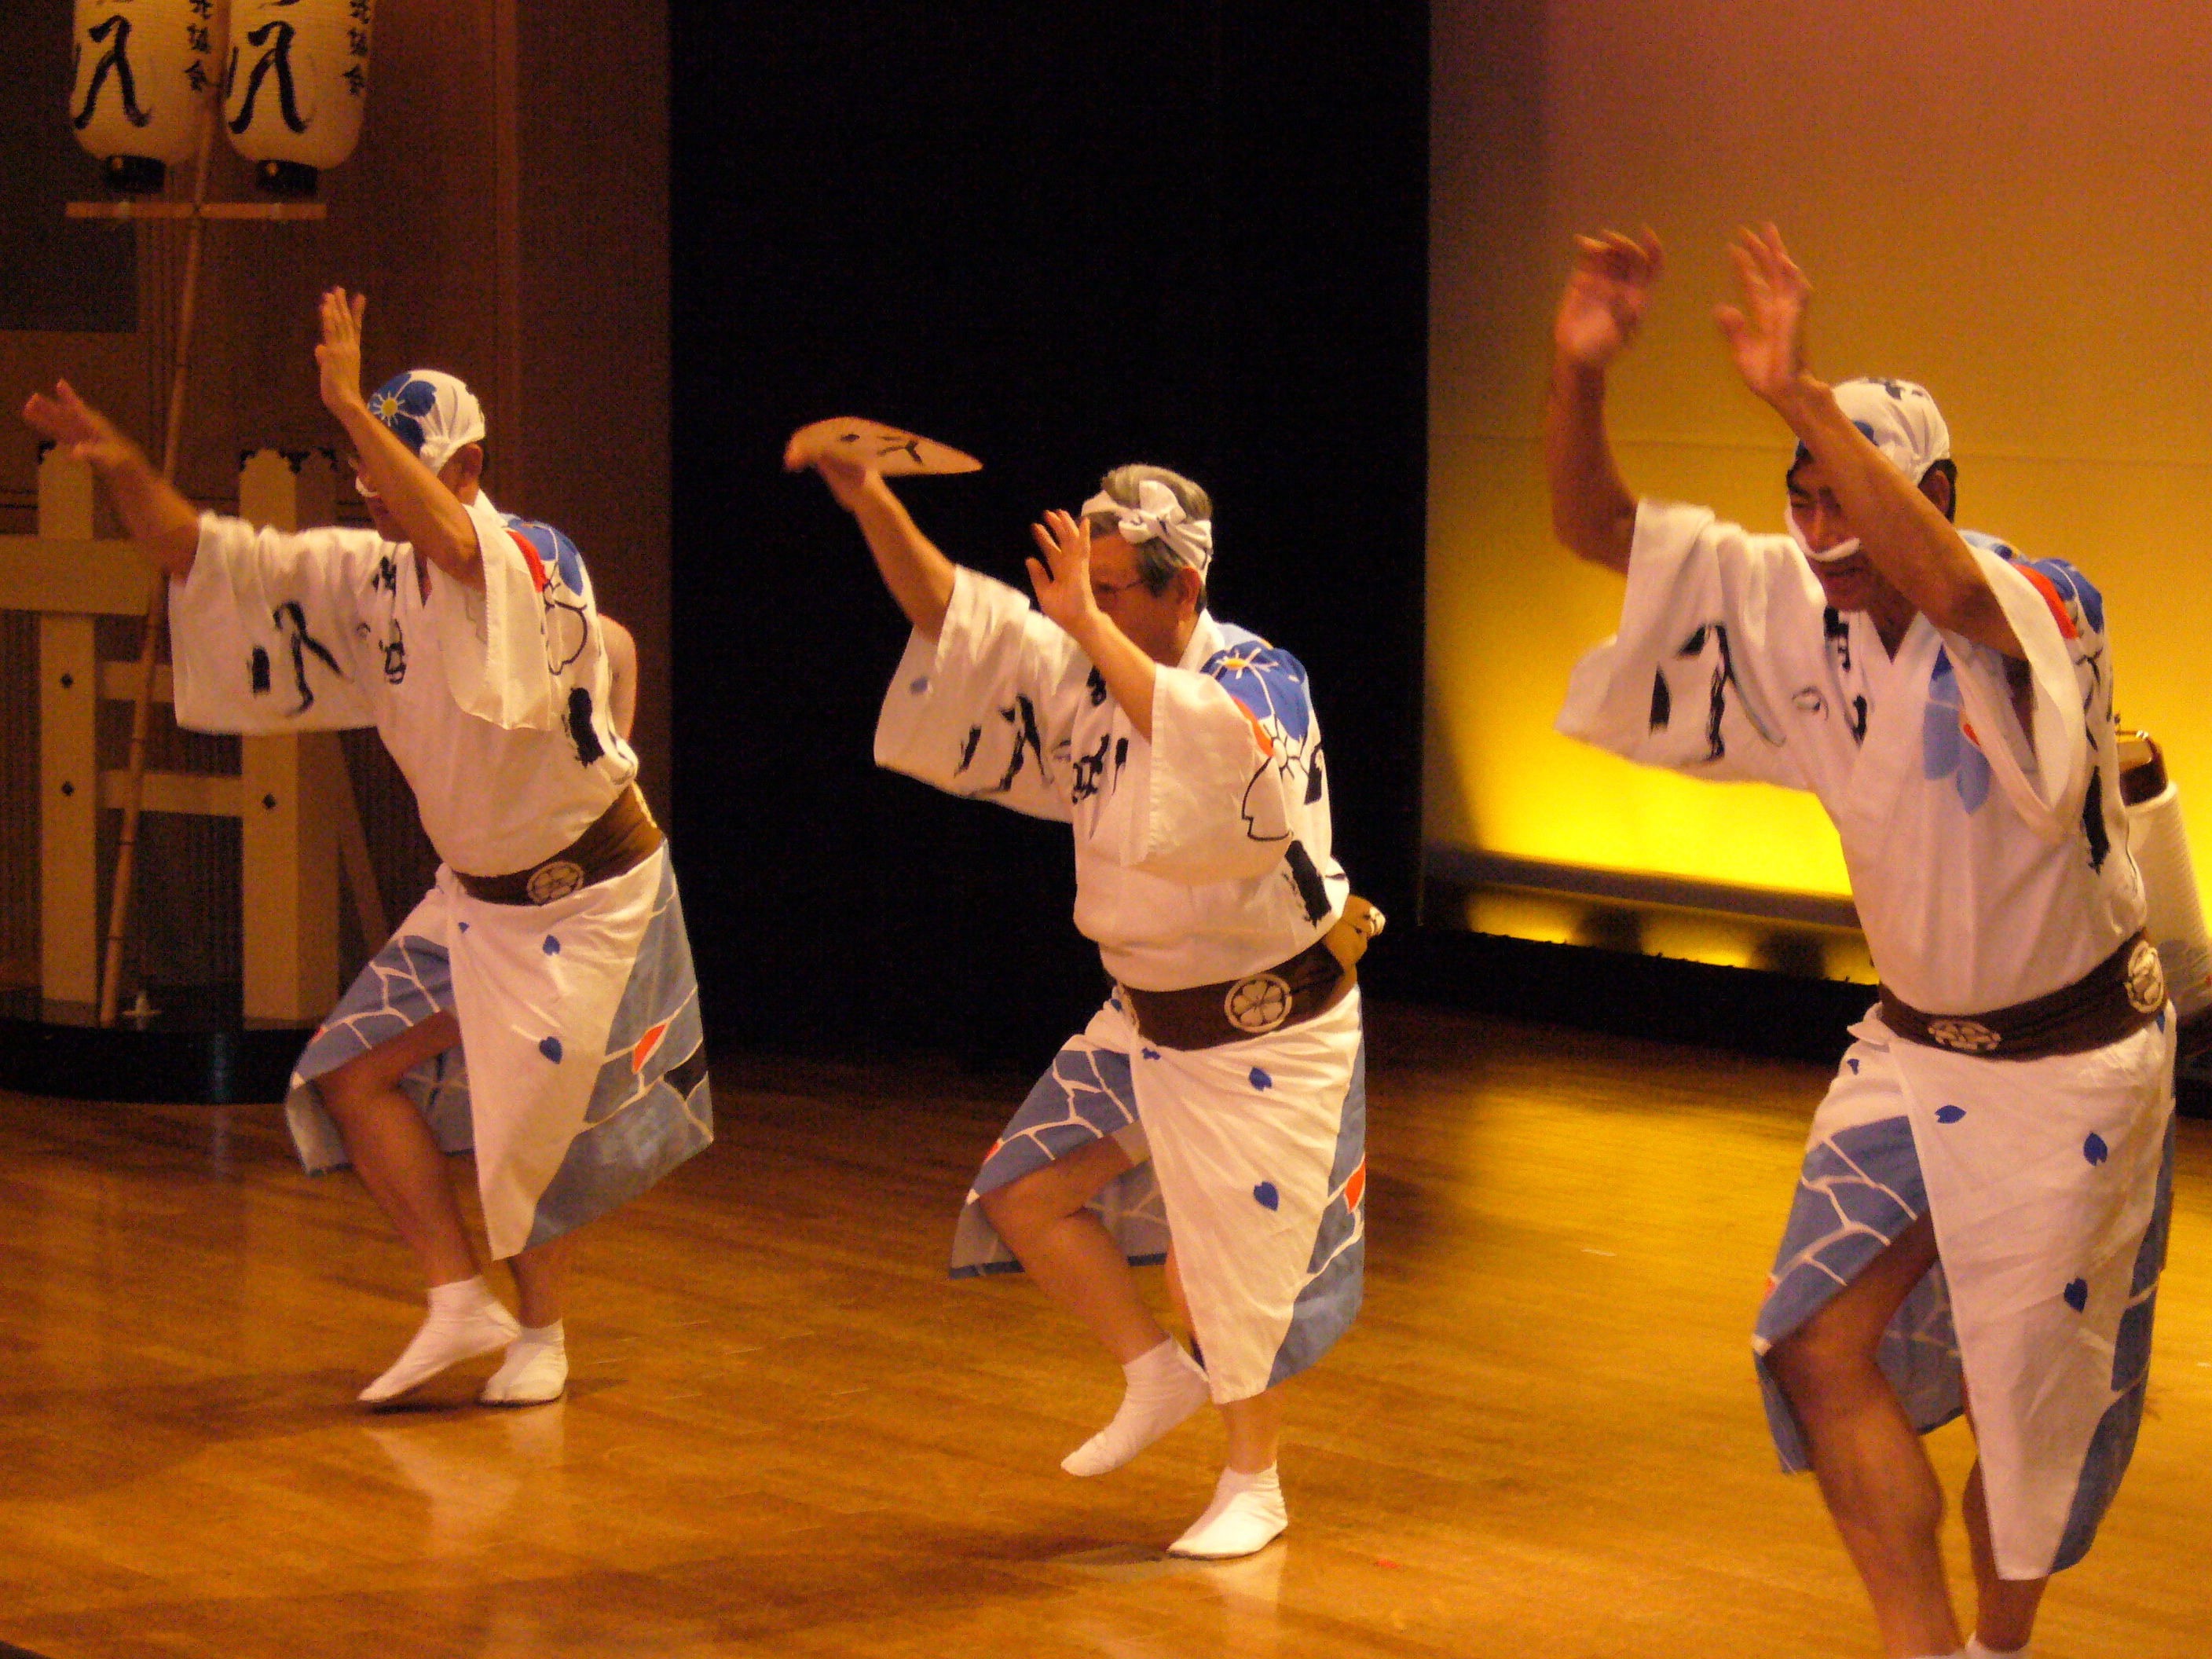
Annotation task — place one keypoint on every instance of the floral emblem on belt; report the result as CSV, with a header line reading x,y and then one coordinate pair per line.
x,y
2146,978
1258,1003
1968,1037
555,879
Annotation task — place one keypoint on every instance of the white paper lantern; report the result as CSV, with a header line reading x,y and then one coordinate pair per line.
x,y
144,71
296,86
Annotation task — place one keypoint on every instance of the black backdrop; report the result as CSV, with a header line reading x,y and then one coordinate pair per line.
x,y
1060,236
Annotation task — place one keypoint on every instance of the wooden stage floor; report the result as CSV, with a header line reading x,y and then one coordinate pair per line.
x,y
790,1435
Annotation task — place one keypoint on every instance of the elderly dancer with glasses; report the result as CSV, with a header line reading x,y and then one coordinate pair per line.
x,y
543,1011
1212,1113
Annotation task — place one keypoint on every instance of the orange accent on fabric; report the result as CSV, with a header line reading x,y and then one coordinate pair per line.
x,y
2043,585
1258,731
643,1050
530,557
1356,1188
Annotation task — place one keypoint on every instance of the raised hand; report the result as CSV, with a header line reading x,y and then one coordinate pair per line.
x,y
848,481
338,357
81,431
1062,577
1605,297
1766,333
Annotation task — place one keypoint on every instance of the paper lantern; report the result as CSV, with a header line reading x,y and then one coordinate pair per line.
x,y
143,72
296,86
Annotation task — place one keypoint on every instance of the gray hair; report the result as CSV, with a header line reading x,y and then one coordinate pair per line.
x,y
1155,562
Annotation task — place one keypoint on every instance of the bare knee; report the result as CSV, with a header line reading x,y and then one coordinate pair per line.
x,y
348,1089
1017,1210
365,1082
1822,1358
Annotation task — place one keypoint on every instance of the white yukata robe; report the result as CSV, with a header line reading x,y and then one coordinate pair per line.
x,y
1986,872
1200,856
584,1079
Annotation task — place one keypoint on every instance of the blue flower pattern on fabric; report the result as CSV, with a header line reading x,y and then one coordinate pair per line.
x,y
1949,1113
1269,682
2077,1294
2074,589
2095,1149
1267,1197
1260,1079
401,405
555,551
550,1048
1944,750
552,946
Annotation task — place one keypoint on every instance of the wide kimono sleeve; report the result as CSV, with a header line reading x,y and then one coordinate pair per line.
x,y
513,653
987,709
1695,677
264,629
2057,619
1234,772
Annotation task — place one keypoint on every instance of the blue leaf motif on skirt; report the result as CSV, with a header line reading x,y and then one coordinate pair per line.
x,y
550,1048
2077,1295
2095,1149
1266,1196
1260,1079
1949,1113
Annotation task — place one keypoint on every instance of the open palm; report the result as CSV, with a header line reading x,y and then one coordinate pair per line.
x,y
1766,331
1607,297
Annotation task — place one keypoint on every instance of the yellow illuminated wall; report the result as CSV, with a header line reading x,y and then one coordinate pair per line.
x,y
2009,202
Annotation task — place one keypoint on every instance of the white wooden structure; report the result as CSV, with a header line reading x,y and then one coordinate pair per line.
x,y
292,796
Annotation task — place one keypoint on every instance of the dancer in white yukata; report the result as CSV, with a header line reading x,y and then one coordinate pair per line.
x,y
544,1015
1981,1219
1213,1111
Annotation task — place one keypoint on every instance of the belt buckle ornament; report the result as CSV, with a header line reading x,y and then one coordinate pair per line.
x,y
1258,1003
1967,1036
2146,978
555,879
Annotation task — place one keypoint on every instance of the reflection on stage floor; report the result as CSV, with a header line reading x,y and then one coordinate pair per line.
x,y
789,1434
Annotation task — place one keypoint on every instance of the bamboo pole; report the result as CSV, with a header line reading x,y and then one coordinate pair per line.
x,y
157,602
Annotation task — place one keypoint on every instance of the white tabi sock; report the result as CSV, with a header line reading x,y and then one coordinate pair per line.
x,y
1974,1649
536,1369
1246,1515
1164,1387
465,1320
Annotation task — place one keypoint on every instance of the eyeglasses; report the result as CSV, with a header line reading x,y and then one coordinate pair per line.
x,y
1102,591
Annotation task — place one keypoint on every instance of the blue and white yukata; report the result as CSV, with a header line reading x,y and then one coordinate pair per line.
x,y
581,1078
1200,856
1987,870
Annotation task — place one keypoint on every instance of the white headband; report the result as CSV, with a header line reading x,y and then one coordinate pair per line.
x,y
433,413
1900,420
1157,516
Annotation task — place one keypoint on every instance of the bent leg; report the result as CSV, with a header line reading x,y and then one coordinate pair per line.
x,y
1043,1218
1880,1488
400,1164
1067,1250
395,1153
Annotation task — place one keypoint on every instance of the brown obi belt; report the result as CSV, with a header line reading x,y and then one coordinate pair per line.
x,y
2116,998
620,839
1311,983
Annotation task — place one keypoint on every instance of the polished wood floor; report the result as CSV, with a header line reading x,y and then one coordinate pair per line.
x,y
790,1435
